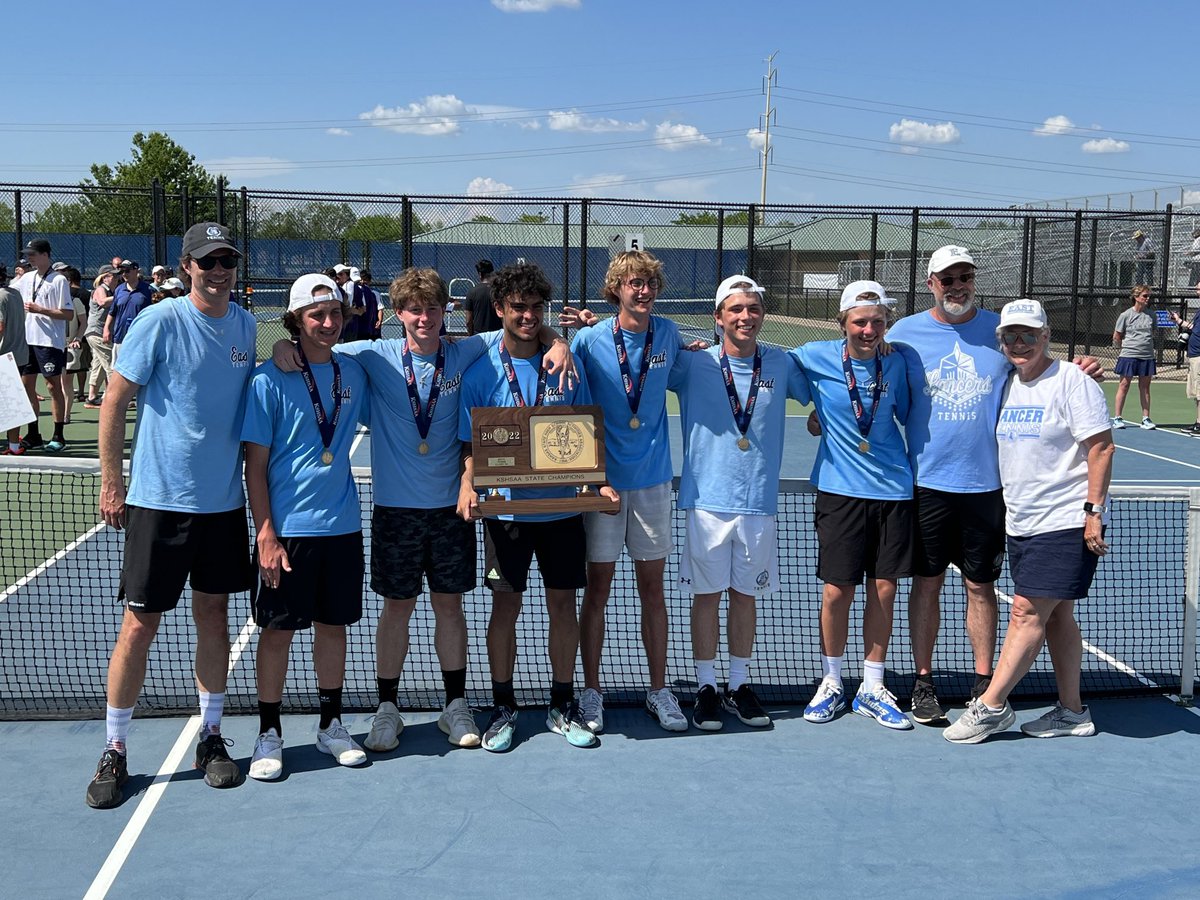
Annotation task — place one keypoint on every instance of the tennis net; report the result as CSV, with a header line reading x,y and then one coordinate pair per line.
x,y
59,615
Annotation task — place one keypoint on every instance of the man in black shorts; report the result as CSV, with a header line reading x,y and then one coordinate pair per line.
x,y
188,359
481,316
48,308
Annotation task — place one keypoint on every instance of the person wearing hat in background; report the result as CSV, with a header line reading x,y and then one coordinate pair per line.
x,y
298,430
158,275
12,340
864,496
98,304
1143,253
1055,450
361,279
189,359
133,294
732,452
173,287
350,293
79,353
1133,338
48,308
1190,331
481,316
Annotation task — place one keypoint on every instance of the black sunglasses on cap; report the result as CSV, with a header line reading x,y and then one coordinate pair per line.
x,y
208,263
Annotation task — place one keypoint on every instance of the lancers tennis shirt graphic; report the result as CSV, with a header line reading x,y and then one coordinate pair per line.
x,y
1018,422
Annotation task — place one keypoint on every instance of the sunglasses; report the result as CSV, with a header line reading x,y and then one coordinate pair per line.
x,y
638,283
948,280
209,262
1028,338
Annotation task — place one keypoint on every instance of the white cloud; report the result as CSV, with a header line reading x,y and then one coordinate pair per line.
x,y
437,114
533,6
1105,145
601,185
1055,125
248,167
909,149
670,136
338,132
757,138
910,131
482,186
572,120
1191,198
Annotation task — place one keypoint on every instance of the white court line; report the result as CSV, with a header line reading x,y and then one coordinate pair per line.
x,y
48,563
358,438
1162,458
133,829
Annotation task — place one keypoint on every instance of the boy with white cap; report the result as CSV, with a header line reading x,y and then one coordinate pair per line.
x,y
298,430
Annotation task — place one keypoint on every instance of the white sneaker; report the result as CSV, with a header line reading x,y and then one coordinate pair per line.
x,y
1061,722
591,705
1148,424
336,741
458,724
664,706
1118,422
267,762
386,729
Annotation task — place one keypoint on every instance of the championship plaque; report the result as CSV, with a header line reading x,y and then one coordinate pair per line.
x,y
539,446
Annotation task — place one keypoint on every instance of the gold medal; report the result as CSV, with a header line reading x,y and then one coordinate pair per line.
x,y
864,447
327,457
635,423
423,448
743,443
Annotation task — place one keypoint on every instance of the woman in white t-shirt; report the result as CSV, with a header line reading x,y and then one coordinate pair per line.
x,y
1055,447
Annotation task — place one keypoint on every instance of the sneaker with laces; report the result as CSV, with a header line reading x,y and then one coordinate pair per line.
x,y
880,705
706,712
664,706
501,729
979,723
744,704
213,759
924,706
267,762
1118,422
1061,722
591,705
1148,423
104,790
458,724
567,720
54,445
1191,430
829,700
386,729
336,741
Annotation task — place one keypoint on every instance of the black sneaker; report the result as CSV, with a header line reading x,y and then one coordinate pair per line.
x,y
982,683
104,791
744,704
31,442
219,770
925,706
1191,430
706,712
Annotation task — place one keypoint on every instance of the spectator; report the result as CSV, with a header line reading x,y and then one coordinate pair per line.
x,y
12,340
481,315
158,275
48,308
1192,332
132,295
1133,336
79,354
173,287
1194,257
368,322
384,304
101,367
1143,253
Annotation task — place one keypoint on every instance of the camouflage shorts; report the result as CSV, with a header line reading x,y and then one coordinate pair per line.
x,y
407,544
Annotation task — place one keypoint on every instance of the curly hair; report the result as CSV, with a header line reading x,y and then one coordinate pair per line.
x,y
520,280
421,285
1138,289
631,263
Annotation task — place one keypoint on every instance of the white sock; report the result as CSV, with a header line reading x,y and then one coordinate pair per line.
x,y
706,672
14,447
831,666
739,671
116,726
872,675
211,708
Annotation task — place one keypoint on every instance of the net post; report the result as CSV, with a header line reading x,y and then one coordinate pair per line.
x,y
1187,662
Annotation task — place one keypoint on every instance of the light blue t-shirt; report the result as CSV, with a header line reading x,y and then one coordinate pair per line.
x,y
485,385
641,457
193,369
401,476
956,375
308,497
883,472
717,476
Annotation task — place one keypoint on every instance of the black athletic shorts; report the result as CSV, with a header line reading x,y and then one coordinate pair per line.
x,y
325,584
407,544
559,545
164,549
48,361
964,529
857,538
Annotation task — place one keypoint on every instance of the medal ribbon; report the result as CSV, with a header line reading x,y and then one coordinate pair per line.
x,y
741,418
423,419
325,424
856,405
633,393
514,385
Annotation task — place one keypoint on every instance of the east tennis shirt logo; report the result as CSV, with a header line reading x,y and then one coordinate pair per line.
x,y
239,359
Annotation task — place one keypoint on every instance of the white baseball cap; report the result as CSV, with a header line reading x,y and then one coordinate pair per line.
x,y
301,294
158,269
1022,312
341,267
355,275
748,286
852,291
945,257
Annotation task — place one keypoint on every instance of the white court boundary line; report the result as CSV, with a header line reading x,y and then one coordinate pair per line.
x,y
104,879
1169,459
34,573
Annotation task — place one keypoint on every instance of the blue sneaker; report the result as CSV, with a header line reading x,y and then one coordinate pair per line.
x,y
567,720
880,705
829,700
500,729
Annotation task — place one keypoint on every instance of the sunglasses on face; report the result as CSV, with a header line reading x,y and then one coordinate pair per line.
x,y
210,262
1028,338
948,280
638,283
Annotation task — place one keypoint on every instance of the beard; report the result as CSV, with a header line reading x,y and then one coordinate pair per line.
x,y
958,309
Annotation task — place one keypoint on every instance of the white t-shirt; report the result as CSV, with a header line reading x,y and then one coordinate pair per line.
x,y
1043,463
53,292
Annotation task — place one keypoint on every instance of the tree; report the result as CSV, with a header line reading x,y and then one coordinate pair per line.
x,y
377,228
532,218
708,217
314,221
8,217
487,220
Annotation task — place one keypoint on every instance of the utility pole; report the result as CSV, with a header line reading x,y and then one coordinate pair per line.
x,y
769,81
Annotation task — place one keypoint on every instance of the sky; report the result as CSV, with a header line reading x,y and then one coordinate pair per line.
x,y
935,104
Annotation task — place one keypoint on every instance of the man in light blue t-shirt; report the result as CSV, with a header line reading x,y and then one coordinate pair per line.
x,y
188,359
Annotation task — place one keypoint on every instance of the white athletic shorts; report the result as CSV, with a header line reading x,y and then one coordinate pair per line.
x,y
643,525
729,550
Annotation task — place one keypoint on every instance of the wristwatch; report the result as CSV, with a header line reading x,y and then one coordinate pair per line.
x,y
1098,509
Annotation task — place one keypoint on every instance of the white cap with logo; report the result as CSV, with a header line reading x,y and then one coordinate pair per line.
x,y
950,255
1022,312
